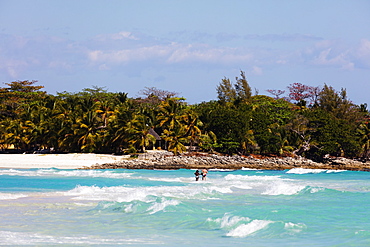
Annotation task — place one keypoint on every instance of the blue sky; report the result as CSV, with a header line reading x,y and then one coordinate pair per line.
x,y
186,46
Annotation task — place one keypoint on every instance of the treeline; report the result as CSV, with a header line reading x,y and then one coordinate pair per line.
x,y
309,121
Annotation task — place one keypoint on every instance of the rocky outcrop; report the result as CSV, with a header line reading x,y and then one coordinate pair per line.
x,y
167,161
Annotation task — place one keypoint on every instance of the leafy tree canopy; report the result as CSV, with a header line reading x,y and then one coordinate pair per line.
x,y
240,91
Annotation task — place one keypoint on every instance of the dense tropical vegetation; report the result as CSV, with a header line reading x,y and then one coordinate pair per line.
x,y
310,121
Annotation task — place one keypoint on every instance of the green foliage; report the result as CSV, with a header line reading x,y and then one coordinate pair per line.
x,y
338,104
229,123
226,92
17,94
332,136
268,123
95,120
242,88
363,133
208,142
240,91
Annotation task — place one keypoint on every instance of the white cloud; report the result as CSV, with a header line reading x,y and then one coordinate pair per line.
x,y
13,67
129,55
281,61
26,55
364,47
326,57
104,67
173,53
283,37
328,53
257,70
204,53
362,54
123,35
333,53
95,56
106,52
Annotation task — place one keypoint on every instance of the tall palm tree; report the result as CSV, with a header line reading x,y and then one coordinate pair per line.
x,y
175,140
19,133
364,135
139,132
249,144
171,120
208,141
171,113
192,126
121,122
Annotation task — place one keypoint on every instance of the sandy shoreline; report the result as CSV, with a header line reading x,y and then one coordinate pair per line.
x,y
60,161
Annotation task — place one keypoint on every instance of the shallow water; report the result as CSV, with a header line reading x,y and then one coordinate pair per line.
x,y
153,208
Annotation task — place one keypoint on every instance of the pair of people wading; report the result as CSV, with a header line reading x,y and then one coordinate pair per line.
x,y
197,174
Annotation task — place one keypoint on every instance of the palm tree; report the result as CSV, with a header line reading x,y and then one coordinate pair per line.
x,y
278,139
170,114
42,115
121,122
175,139
208,141
192,124
249,144
140,136
364,135
85,130
19,133
171,120
78,120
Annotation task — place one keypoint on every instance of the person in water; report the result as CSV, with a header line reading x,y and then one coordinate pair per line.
x,y
196,173
204,174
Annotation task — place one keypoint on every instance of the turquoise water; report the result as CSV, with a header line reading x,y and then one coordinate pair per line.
x,y
154,208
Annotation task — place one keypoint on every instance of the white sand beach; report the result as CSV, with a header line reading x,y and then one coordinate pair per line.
x,y
60,161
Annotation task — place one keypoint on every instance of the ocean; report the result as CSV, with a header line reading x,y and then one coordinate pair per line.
x,y
298,207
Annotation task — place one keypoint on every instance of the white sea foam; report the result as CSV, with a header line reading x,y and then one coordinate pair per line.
x,y
23,238
220,189
296,228
221,170
145,194
254,177
228,221
265,185
283,188
242,186
240,226
159,206
316,189
85,204
129,208
117,193
311,171
94,174
171,179
335,171
305,171
244,230
64,173
250,169
9,196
